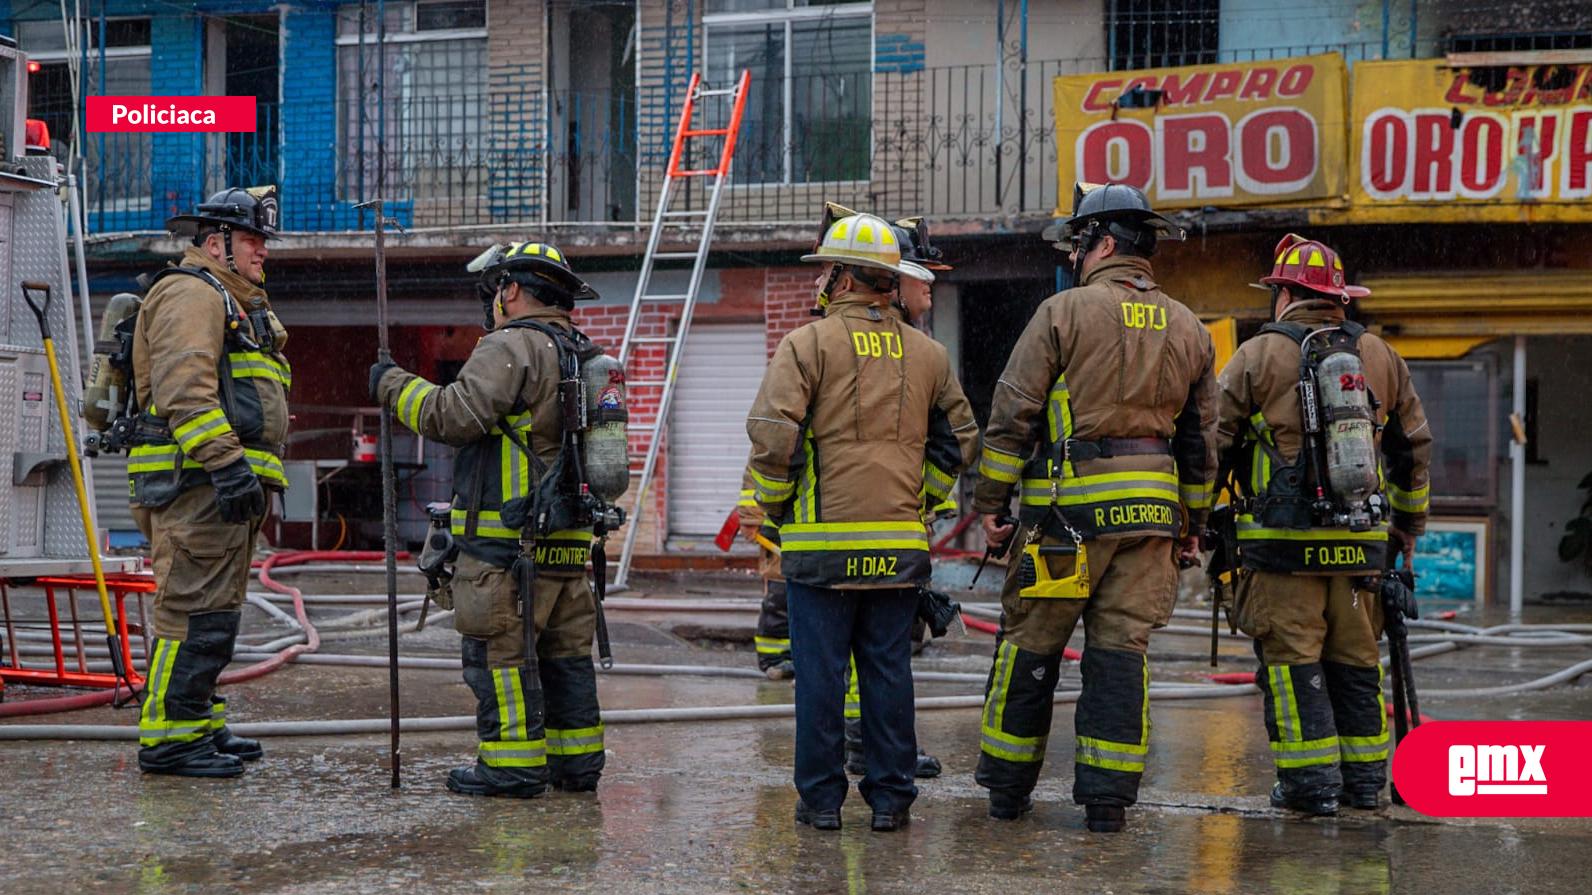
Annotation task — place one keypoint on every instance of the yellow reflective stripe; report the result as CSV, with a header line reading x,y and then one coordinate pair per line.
x,y
1250,530
580,741
1197,497
747,498
153,458
266,465
489,524
514,474
771,490
853,708
1088,489
937,481
1059,419
799,536
772,646
807,496
513,753
411,400
994,741
999,466
205,427
253,364
1127,757
579,535
154,726
1417,501
1364,748
1288,723
1305,753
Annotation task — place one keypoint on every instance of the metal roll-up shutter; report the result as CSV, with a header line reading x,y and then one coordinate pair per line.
x,y
111,509
718,379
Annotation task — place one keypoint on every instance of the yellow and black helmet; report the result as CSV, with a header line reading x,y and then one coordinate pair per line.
x,y
532,264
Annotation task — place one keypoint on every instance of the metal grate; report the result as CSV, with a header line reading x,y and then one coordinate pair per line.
x,y
1161,33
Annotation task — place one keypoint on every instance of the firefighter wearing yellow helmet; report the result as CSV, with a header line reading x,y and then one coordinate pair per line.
x,y
503,416
839,431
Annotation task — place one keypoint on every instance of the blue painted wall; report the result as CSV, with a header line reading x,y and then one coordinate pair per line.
x,y
1265,29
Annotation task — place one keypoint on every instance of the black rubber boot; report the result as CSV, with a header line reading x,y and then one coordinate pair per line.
x,y
825,819
856,764
176,735
1009,806
1105,818
890,821
928,766
1312,805
782,670
1363,798
575,755
229,743
466,780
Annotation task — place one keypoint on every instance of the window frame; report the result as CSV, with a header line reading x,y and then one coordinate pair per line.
x,y
347,185
788,17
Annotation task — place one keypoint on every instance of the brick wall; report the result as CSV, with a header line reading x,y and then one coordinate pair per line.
x,y
515,48
899,29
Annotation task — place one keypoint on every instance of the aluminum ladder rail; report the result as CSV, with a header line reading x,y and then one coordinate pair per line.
x,y
645,300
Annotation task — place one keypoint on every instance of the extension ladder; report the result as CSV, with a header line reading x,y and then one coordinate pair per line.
x,y
673,345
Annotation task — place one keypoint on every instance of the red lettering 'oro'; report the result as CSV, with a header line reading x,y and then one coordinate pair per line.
x,y
1102,95
1578,156
1385,154
1276,151
1536,143
1481,156
1116,152
1434,157
1224,85
1259,83
1195,157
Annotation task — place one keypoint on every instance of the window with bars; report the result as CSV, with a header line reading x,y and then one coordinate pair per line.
x,y
435,86
118,164
1162,33
809,115
1520,42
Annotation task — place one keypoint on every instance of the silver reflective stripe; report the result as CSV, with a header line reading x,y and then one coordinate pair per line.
x,y
1025,749
1086,751
789,537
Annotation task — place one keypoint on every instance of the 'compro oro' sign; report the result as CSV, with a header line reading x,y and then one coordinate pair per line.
x,y
1429,133
1260,133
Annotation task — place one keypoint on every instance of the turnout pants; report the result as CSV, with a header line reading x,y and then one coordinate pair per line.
x,y
1321,675
532,729
773,627
1133,587
201,566
872,627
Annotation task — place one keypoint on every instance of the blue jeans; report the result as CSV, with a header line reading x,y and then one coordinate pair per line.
x,y
827,627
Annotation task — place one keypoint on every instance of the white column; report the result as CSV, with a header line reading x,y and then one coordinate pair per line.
x,y
1517,489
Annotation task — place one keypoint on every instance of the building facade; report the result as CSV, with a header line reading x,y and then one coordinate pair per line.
x,y
483,121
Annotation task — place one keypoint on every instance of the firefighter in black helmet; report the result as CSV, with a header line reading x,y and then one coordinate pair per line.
x,y
212,383
505,401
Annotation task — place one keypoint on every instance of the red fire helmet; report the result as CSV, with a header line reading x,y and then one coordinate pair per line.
x,y
1312,265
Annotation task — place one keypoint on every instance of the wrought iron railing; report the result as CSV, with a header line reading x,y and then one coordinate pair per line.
x,y
972,141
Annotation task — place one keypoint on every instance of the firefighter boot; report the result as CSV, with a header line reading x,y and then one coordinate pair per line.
x,y
1304,738
227,742
575,755
1015,727
927,765
773,634
1358,710
1105,818
511,759
175,733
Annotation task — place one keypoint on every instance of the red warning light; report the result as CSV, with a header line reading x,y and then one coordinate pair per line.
x,y
33,67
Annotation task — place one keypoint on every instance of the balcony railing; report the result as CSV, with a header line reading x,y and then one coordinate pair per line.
x,y
971,141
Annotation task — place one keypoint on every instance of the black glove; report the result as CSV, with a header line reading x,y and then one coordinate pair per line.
x,y
239,496
378,370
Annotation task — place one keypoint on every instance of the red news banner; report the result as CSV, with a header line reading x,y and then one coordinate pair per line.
x,y
171,114
1497,769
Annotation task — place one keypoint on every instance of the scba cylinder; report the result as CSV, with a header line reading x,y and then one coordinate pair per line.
x,y
607,451
106,391
1350,429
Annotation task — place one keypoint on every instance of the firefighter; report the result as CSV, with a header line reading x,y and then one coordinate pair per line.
x,y
839,431
1106,416
503,404
1316,624
772,640
212,383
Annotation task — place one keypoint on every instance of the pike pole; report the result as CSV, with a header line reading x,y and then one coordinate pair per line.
x,y
389,482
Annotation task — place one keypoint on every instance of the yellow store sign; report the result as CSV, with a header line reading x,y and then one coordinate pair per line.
x,y
1428,135
1260,133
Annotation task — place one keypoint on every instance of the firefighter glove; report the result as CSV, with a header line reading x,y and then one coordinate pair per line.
x,y
378,370
239,496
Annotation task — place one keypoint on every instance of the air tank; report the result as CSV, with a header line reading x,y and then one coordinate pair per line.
x,y
106,392
607,450
1350,430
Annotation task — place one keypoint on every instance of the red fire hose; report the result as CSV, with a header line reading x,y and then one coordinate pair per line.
x,y
246,673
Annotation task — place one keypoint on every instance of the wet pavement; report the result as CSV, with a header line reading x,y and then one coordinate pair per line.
x,y
706,807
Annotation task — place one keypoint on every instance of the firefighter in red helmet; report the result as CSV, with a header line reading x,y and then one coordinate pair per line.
x,y
1317,509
